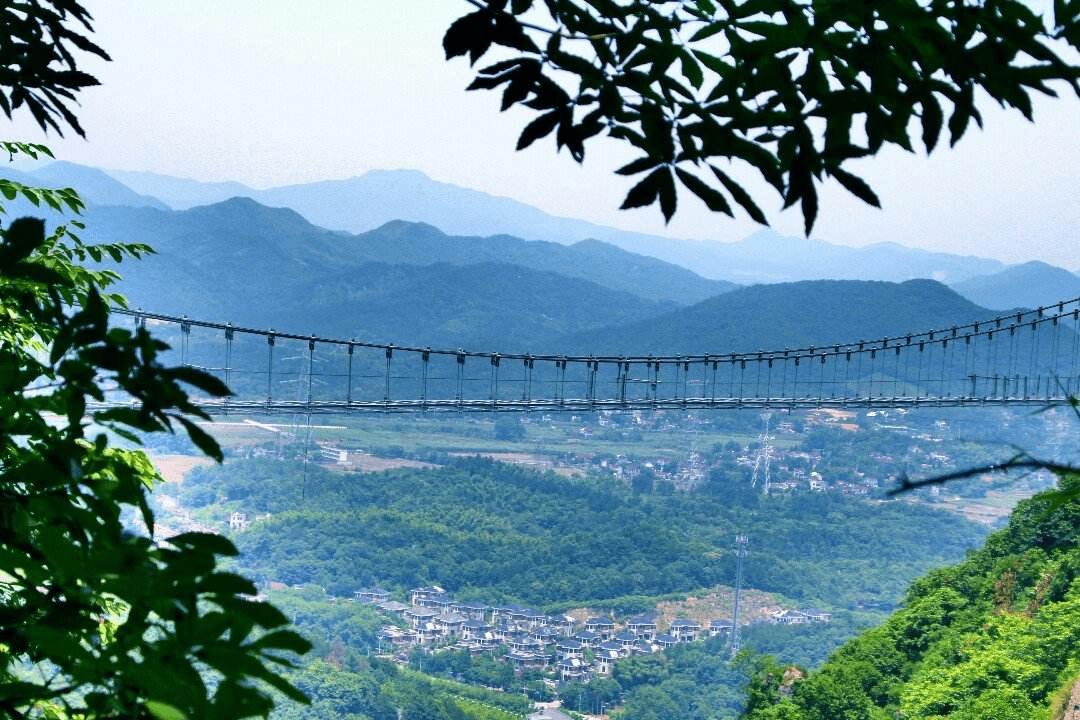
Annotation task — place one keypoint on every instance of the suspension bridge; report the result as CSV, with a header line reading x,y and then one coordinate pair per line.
x,y
1022,358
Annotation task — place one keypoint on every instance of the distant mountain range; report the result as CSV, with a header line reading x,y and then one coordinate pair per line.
x,y
371,200
405,282
241,238
409,282
1031,285
788,315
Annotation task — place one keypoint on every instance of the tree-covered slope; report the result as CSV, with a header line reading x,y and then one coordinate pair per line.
x,y
993,637
606,265
479,306
495,532
801,314
240,246
1030,285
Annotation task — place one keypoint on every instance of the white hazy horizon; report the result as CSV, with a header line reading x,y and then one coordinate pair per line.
x,y
256,92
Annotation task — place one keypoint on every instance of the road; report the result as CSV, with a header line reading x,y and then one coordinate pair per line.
x,y
1072,712
549,711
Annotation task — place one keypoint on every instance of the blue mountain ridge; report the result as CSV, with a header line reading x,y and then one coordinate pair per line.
x,y
370,200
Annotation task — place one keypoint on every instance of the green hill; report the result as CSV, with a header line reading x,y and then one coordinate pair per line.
x,y
993,637
800,314
480,307
493,532
239,254
1030,285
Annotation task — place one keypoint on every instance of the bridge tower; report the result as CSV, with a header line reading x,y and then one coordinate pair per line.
x,y
764,455
740,556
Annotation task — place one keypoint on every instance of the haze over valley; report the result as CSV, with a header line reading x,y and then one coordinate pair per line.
x,y
338,382
597,514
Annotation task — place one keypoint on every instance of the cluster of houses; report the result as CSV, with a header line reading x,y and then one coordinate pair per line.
x,y
791,469
535,640
239,520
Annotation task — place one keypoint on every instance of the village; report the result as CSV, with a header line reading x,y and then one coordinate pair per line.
x,y
773,460
573,650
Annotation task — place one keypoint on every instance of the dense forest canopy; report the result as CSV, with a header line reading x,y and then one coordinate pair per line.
x,y
992,637
493,532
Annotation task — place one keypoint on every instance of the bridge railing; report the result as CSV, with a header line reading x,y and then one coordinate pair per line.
x,y
1021,358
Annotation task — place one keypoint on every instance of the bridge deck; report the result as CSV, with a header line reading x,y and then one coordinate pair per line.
x,y
1029,358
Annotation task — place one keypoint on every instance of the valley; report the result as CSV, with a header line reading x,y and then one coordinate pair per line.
x,y
564,513
599,514
306,415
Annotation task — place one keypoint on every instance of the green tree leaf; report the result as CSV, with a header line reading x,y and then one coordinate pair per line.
x,y
703,81
856,186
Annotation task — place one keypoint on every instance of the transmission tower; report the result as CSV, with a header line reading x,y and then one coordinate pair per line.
x,y
740,555
764,455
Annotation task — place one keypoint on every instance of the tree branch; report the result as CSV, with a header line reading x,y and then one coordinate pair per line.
x,y
1021,461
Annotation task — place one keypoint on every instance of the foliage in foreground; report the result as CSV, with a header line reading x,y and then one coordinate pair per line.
x,y
97,620
995,636
786,91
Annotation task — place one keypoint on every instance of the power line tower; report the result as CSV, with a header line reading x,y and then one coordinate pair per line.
x,y
740,556
764,455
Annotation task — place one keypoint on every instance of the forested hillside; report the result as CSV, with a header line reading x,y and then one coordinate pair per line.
x,y
799,314
241,238
1030,285
366,202
493,532
993,637
377,689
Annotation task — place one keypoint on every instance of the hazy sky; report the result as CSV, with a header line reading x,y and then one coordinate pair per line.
x,y
268,93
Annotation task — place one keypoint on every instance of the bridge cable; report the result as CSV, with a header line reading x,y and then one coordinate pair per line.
x,y
460,375
918,368
896,369
1034,362
228,353
742,379
1073,377
270,367
310,373
836,372
795,378
974,369
185,340
560,372
768,382
425,358
946,390
859,369
1055,350
1009,364
348,371
686,378
715,365
905,385
846,388
526,390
